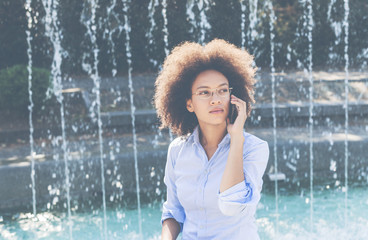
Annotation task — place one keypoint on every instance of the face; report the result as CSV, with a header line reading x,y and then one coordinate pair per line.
x,y
213,110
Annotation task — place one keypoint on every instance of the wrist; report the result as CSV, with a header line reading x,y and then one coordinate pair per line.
x,y
238,138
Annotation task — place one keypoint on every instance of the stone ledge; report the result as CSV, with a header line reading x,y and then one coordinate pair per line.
x,y
284,111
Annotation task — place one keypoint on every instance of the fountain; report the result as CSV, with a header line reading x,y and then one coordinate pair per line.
x,y
94,74
199,22
310,24
30,107
346,105
272,66
132,111
111,14
93,163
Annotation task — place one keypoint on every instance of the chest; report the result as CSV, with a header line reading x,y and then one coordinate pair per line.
x,y
198,180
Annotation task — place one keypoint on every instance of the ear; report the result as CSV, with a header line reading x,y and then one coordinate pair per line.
x,y
190,107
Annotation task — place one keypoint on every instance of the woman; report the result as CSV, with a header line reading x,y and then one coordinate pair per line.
x,y
214,168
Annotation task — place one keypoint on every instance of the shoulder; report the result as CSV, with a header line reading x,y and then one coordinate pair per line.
x,y
176,146
177,143
253,140
253,143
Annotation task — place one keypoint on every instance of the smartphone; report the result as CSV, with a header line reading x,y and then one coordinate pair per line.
x,y
233,113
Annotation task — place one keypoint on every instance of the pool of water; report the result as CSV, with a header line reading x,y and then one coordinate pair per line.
x,y
292,220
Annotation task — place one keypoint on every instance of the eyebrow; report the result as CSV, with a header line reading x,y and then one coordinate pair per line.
x,y
223,84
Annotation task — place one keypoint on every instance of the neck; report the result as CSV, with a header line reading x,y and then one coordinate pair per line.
x,y
211,136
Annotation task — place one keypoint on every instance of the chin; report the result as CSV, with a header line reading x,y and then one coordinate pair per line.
x,y
218,122
214,120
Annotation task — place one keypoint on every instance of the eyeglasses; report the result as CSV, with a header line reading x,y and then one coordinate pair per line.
x,y
206,94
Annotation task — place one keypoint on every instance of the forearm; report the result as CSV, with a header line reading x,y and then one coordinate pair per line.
x,y
170,229
233,173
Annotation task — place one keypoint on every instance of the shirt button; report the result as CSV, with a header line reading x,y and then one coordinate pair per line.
x,y
201,227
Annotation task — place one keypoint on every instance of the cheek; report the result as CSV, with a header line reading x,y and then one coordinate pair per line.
x,y
198,108
227,105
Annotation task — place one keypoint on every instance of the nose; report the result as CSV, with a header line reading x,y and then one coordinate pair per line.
x,y
215,99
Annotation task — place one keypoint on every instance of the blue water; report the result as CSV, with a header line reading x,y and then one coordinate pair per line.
x,y
294,219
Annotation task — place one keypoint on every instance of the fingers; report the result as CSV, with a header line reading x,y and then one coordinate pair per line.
x,y
240,104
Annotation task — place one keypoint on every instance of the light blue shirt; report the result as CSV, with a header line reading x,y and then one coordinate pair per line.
x,y
193,184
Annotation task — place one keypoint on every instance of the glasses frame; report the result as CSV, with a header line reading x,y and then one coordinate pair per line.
x,y
212,92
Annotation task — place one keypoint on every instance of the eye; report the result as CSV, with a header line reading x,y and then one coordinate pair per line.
x,y
203,93
223,90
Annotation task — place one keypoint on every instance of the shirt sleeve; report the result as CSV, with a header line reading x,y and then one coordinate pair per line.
x,y
171,207
234,200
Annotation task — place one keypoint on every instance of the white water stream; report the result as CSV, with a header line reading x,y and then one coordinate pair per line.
x,y
309,12
54,33
346,83
30,106
92,70
274,131
132,110
201,23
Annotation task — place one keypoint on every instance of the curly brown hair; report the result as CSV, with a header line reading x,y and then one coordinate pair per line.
x,y
182,66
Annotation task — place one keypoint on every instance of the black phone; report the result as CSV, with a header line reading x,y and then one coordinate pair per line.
x,y
233,113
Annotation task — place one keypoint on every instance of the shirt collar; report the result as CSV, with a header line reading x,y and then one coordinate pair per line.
x,y
225,140
194,138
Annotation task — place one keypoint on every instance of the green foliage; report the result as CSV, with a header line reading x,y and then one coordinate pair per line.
x,y
14,96
13,45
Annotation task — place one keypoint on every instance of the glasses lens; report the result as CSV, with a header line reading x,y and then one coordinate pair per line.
x,y
204,94
223,92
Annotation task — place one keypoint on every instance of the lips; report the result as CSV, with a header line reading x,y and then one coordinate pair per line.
x,y
217,110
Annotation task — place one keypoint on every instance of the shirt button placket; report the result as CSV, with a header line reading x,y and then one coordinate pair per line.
x,y
202,226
